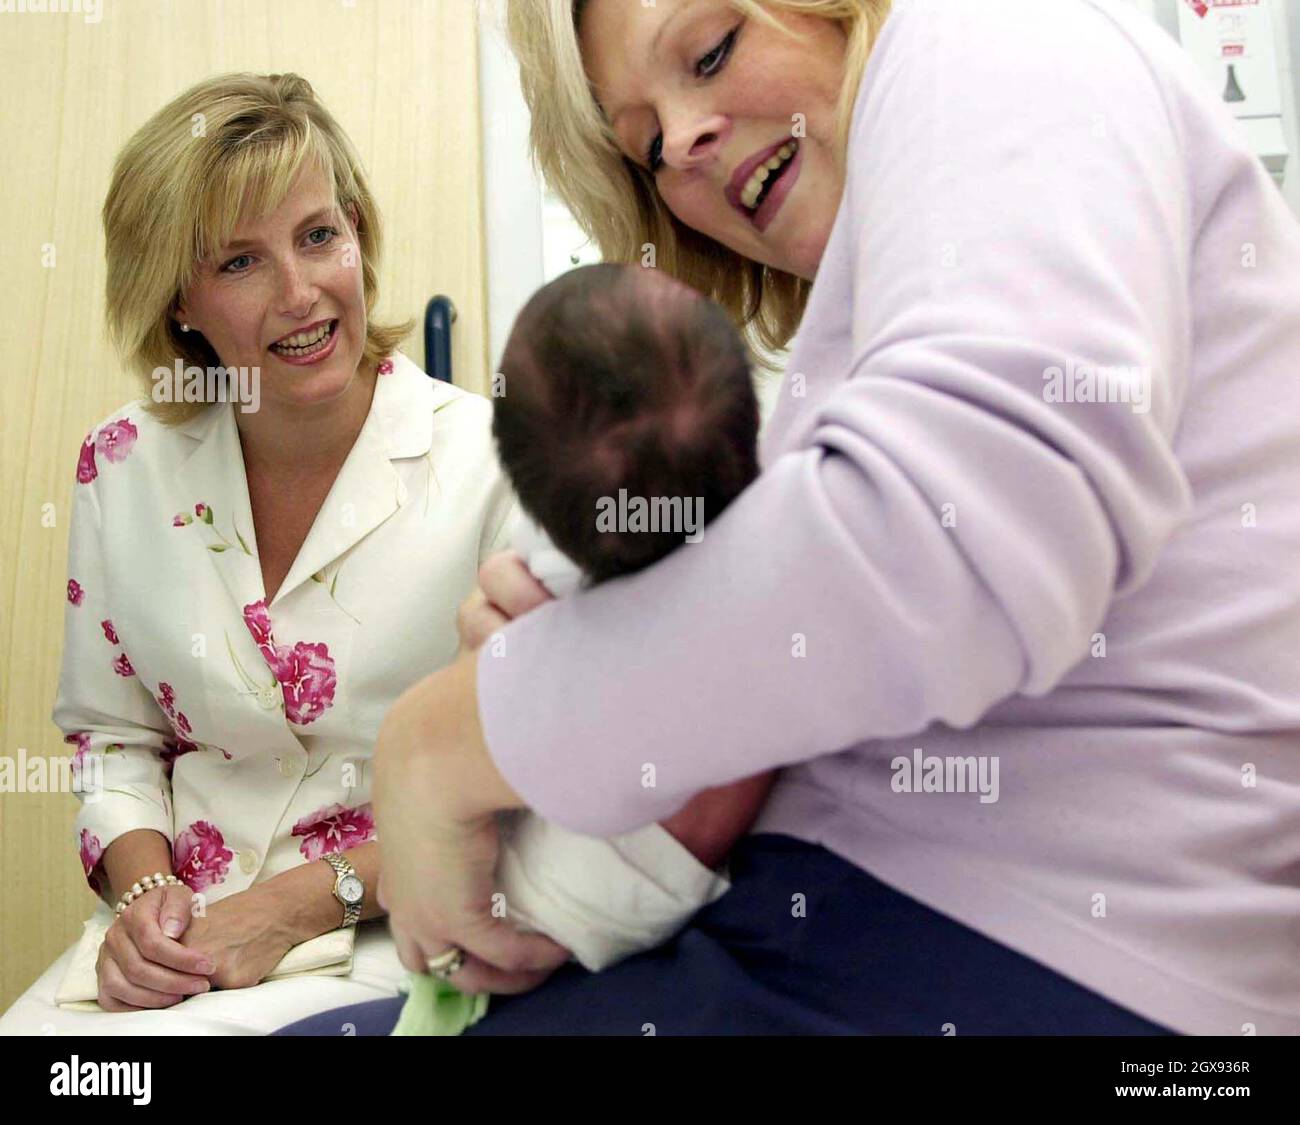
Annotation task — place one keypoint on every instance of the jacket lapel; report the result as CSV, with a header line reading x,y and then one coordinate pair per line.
x,y
212,488
366,492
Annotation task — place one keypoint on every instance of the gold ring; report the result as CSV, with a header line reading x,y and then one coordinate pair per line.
x,y
446,962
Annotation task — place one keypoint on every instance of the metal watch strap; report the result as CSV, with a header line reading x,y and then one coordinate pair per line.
x,y
342,867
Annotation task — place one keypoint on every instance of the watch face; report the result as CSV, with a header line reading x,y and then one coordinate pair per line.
x,y
350,889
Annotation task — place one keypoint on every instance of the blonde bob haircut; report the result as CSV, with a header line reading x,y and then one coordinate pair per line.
x,y
226,149
615,201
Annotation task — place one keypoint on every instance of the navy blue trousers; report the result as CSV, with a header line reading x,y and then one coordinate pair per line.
x,y
863,959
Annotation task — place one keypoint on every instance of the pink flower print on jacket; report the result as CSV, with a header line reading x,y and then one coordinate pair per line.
x,y
166,698
113,443
200,858
109,632
258,619
305,671
91,852
306,674
116,439
205,517
82,740
334,829
122,666
75,593
86,471
172,749
77,767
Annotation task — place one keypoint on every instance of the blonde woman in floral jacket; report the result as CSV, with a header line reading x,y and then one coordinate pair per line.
x,y
251,589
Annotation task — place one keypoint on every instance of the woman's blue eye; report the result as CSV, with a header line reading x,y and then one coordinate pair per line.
x,y
330,234
723,51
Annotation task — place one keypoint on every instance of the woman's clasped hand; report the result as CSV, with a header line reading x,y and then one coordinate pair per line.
x,y
169,944
143,962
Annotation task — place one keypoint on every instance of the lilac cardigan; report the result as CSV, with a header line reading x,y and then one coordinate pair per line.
x,y
1030,658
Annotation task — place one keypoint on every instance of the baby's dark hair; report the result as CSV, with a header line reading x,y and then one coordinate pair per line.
x,y
619,377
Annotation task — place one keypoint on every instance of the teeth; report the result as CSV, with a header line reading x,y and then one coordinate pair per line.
x,y
754,185
300,340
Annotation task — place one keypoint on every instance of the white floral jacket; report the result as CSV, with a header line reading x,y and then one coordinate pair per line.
x,y
243,731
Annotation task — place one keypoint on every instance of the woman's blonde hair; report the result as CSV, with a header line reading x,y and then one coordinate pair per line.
x,y
226,149
614,200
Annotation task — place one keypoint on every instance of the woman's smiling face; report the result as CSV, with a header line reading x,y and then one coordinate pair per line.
x,y
295,271
698,94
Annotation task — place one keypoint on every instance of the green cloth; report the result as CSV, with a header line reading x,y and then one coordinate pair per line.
x,y
438,1007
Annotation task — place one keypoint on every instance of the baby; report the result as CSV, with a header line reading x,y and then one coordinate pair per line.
x,y
627,420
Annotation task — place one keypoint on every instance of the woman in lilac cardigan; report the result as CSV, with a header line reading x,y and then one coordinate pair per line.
x,y
1015,599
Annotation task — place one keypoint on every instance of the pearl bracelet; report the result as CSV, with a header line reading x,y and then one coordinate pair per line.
x,y
146,883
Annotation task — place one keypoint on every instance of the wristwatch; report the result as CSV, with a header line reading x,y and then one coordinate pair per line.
x,y
348,888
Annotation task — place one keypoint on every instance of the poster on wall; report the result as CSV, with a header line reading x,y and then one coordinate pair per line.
x,y
1231,41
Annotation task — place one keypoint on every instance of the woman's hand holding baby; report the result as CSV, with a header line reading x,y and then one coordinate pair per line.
x,y
506,590
439,863
709,824
434,794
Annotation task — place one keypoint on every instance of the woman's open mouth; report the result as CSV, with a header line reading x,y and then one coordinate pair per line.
x,y
769,184
308,347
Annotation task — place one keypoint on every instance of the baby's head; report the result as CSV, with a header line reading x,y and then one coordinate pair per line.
x,y
622,378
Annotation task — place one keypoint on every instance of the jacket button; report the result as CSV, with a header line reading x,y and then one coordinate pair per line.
x,y
288,767
247,862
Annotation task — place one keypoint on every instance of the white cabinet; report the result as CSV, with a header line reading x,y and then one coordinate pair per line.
x,y
1234,44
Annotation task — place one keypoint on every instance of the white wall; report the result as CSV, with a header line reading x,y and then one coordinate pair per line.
x,y
531,236
512,204
1286,18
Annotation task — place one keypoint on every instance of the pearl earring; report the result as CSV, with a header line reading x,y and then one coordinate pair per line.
x,y
185,327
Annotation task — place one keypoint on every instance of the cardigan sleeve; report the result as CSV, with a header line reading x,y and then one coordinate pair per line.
x,y
948,520
102,708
